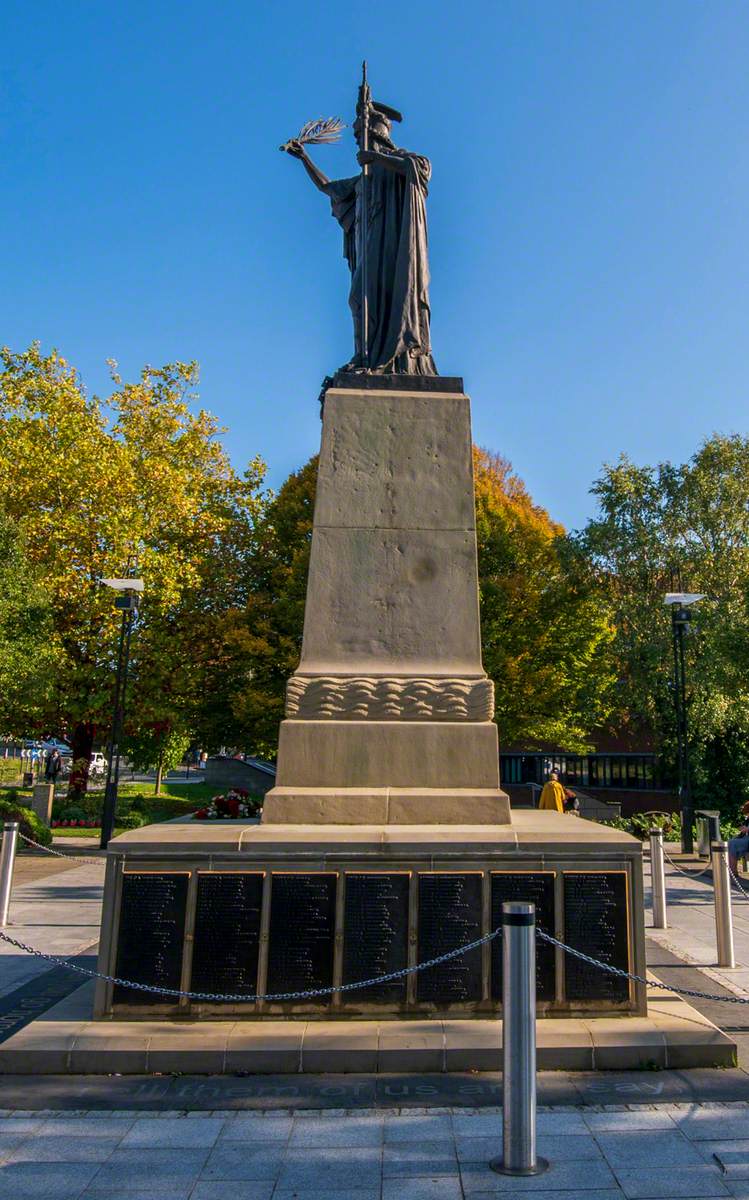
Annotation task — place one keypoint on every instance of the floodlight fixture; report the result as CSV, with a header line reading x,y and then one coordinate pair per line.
x,y
683,599
124,585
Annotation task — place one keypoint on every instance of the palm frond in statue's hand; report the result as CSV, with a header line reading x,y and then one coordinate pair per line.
x,y
315,133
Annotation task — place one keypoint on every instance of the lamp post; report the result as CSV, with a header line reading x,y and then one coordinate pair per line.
x,y
127,601
680,604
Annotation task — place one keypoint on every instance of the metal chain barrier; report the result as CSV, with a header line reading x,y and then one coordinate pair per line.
x,y
243,997
739,884
689,874
666,987
60,854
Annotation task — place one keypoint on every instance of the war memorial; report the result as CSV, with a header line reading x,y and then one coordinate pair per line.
x,y
387,840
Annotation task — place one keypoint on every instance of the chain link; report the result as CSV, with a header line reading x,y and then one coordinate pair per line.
x,y
240,998
546,937
98,862
689,874
243,997
739,884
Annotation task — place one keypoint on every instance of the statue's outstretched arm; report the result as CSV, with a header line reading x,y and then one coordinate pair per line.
x,y
296,150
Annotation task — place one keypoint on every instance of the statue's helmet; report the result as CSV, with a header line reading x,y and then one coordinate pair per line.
x,y
381,117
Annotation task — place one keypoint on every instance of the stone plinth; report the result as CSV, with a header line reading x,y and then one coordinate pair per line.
x,y
389,717
42,801
230,907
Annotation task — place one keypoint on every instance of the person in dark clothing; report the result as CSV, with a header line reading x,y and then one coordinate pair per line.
x,y
53,765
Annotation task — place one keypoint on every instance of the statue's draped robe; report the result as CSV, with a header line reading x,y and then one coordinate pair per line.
x,y
397,263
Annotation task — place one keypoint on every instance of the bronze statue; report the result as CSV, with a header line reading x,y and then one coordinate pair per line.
x,y
383,216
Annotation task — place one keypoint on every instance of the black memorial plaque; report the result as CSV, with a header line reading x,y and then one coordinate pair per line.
x,y
375,933
595,921
533,888
151,934
302,925
449,916
227,932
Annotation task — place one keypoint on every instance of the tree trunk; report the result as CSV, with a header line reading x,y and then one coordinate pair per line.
x,y
82,743
160,771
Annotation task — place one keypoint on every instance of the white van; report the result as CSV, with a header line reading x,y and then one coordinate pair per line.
x,y
98,764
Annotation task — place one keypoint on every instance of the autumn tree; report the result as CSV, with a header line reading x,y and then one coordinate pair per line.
x,y
544,630
136,484
28,644
681,527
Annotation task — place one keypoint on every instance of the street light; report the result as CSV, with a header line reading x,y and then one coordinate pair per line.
x,y
127,601
680,604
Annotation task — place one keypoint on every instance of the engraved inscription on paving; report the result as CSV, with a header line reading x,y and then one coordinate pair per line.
x,y
449,916
533,888
375,938
595,921
227,933
151,935
302,920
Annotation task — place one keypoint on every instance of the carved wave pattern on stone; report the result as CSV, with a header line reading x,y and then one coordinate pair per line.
x,y
342,698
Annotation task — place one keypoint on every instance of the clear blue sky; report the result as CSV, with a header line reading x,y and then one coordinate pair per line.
x,y
588,210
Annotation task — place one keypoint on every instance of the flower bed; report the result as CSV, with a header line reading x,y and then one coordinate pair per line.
x,y
233,805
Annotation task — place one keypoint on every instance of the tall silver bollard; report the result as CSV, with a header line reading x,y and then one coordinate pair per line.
x,y
519,1042
722,889
7,862
658,879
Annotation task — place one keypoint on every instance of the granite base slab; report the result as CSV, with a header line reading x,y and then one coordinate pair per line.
x,y
66,1040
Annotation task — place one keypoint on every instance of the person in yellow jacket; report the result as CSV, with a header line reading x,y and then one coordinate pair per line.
x,y
553,794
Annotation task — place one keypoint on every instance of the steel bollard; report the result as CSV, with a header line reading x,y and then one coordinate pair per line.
x,y
519,1042
7,862
658,879
723,919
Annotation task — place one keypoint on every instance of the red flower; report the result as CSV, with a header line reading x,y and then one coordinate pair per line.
x,y
233,807
201,814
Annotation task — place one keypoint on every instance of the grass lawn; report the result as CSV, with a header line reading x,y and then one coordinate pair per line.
x,y
194,794
10,769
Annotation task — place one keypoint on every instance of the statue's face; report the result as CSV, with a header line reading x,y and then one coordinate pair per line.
x,y
379,133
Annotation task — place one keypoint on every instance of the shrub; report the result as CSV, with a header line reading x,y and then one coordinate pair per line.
x,y
130,820
29,823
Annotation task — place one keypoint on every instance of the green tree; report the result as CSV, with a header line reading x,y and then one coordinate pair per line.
x,y
137,484
545,632
159,746
672,528
264,641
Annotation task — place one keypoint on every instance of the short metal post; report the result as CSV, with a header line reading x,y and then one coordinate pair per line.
x,y
658,879
722,890
519,1042
7,862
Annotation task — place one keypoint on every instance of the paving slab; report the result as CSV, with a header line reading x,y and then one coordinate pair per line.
x,y
664,1183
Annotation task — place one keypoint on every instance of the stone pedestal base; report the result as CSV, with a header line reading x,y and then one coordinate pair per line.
x,y
387,772
231,909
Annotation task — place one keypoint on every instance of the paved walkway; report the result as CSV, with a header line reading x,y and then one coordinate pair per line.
x,y
691,924
58,913
409,1154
